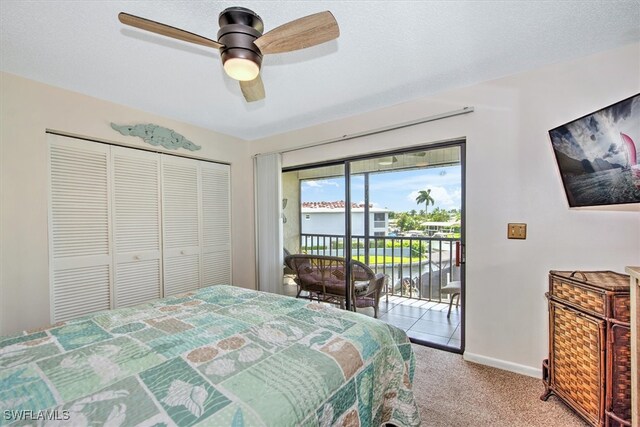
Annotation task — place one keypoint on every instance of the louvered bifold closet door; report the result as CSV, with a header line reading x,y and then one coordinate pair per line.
x,y
79,243
136,226
216,224
180,224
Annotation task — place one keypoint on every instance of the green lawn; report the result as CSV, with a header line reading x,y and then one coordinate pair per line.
x,y
389,259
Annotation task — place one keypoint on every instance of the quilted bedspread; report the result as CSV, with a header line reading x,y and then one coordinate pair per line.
x,y
221,356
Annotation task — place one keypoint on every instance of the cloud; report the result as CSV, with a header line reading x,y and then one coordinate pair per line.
x,y
443,198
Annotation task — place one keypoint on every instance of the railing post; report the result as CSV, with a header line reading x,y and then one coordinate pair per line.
x,y
419,282
430,268
393,265
384,265
367,224
410,268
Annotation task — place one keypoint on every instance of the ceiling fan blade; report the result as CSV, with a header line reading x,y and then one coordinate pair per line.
x,y
166,30
299,34
253,90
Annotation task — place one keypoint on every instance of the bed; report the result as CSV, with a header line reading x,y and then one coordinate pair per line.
x,y
220,356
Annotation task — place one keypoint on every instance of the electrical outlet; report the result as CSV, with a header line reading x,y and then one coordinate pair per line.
x,y
516,231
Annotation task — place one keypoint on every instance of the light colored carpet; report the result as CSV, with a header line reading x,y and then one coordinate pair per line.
x,y
452,392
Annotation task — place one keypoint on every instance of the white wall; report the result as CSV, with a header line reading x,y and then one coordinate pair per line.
x,y
322,223
27,108
333,223
511,177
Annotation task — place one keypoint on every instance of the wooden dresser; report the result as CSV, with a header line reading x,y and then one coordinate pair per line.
x,y
589,365
634,272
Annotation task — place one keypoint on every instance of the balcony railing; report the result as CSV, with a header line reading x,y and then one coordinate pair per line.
x,y
418,267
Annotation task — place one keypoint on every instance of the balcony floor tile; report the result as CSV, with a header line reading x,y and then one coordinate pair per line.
x,y
415,303
456,335
384,307
407,310
454,343
434,328
402,322
440,317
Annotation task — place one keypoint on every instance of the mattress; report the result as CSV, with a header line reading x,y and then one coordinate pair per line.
x,y
220,356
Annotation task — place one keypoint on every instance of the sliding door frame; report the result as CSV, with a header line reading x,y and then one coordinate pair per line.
x,y
346,163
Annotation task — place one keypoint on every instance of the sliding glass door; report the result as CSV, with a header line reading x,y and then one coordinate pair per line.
x,y
401,214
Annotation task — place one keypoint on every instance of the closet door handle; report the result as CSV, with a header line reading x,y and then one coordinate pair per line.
x,y
136,257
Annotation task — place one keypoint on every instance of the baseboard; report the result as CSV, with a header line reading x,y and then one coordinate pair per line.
x,y
503,364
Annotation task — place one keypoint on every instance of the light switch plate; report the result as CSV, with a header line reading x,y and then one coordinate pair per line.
x,y
516,230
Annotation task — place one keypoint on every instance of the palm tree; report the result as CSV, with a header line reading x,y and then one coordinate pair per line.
x,y
425,197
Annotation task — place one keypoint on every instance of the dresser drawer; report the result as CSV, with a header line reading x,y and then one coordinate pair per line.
x,y
601,293
590,300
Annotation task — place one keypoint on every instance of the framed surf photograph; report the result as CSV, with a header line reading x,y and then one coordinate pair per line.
x,y
598,156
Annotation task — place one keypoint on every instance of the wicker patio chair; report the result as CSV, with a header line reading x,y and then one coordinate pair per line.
x,y
323,279
367,287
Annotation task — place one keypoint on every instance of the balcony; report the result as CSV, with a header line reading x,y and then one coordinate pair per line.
x,y
418,267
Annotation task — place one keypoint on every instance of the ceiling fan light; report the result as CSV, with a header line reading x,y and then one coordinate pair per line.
x,y
241,69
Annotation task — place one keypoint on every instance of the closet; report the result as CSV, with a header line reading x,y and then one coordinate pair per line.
x,y
128,226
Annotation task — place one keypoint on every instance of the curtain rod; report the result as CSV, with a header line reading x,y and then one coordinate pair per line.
x,y
465,110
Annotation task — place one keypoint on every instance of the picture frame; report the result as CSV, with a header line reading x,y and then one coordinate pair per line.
x,y
598,155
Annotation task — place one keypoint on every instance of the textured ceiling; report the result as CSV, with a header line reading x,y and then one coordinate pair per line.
x,y
388,52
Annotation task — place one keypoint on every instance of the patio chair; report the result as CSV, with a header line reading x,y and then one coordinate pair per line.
x,y
366,292
323,278
452,289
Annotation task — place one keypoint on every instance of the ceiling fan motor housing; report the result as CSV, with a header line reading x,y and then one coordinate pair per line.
x,y
239,27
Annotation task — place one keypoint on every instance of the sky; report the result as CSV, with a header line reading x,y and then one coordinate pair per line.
x,y
396,191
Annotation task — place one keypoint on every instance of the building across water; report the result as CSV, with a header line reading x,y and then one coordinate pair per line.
x,y
328,218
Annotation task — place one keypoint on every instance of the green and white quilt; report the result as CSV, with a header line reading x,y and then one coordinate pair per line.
x,y
221,356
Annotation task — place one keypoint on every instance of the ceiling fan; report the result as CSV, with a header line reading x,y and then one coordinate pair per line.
x,y
242,43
